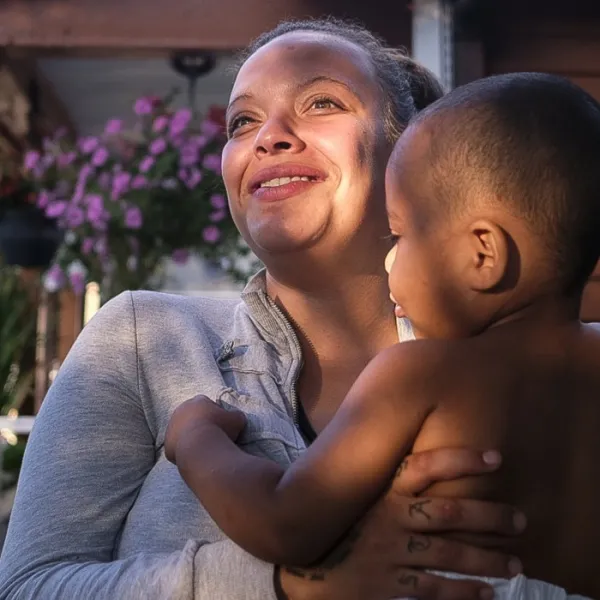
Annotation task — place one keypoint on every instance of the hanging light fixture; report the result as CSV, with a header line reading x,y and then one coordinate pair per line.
x,y
193,64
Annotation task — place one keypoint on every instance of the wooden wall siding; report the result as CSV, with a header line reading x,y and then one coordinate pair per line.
x,y
151,25
561,40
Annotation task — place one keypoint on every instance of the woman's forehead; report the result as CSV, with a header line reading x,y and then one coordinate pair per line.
x,y
300,56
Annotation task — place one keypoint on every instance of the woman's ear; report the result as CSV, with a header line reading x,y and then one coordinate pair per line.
x,y
488,253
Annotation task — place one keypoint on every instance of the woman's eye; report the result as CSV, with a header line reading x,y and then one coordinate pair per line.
x,y
237,122
393,237
324,104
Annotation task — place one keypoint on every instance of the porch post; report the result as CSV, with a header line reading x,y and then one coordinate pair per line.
x,y
433,38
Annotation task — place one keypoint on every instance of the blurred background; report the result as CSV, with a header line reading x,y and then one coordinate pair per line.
x,y
111,130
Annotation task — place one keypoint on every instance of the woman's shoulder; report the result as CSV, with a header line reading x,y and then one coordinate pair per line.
x,y
160,308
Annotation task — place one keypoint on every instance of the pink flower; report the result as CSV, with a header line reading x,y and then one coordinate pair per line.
x,y
158,146
146,164
212,162
180,256
87,245
113,126
75,217
218,201
43,199
217,216
89,144
31,159
139,182
77,281
54,278
180,121
95,208
193,179
100,157
120,185
65,159
160,123
133,218
143,106
211,234
56,209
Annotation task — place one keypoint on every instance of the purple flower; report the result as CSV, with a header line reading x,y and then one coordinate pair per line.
x,y
143,106
54,278
218,201
113,126
212,162
217,216
158,146
188,155
180,256
160,123
139,182
133,218
95,208
31,159
211,234
56,209
100,157
146,164
180,121
65,159
43,199
120,184
77,281
194,178
87,246
75,217
89,144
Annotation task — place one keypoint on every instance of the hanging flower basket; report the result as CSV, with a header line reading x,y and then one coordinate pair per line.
x,y
132,198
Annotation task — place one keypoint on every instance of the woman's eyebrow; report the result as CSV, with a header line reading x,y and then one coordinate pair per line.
x,y
302,86
327,79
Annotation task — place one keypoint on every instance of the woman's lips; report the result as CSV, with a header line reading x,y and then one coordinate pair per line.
x,y
282,192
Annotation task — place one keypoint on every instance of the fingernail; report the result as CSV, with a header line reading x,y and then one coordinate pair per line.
x,y
492,458
519,521
486,593
515,566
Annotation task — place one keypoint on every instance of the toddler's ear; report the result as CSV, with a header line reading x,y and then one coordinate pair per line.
x,y
488,249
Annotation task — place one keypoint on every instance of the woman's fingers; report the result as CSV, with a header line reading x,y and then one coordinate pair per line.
x,y
420,470
429,586
426,515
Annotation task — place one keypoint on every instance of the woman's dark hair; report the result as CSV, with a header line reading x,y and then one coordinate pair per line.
x,y
407,87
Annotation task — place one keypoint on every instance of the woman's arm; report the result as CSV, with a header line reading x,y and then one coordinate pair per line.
x,y
89,452
294,516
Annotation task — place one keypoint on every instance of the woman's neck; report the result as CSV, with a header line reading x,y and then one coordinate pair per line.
x,y
337,317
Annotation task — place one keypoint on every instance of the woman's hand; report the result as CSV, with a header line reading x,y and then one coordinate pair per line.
x,y
192,415
384,556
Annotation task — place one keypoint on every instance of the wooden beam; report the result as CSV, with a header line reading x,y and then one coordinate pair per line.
x,y
177,24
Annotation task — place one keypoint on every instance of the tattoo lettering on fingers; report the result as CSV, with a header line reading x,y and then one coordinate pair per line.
x,y
409,579
416,508
418,543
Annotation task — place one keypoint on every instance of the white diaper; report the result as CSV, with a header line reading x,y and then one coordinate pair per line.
x,y
521,588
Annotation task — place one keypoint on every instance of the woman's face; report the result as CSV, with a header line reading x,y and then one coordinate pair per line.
x,y
305,162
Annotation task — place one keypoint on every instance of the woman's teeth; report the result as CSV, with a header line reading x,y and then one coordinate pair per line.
x,y
282,181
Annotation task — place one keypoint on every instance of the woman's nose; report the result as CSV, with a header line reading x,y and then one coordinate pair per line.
x,y
277,136
389,259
